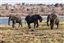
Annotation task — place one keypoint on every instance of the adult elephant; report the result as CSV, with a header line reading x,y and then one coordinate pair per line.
x,y
33,19
53,20
14,20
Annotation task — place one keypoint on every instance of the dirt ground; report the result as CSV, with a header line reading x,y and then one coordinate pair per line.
x,y
43,34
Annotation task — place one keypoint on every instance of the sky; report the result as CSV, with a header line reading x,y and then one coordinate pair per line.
x,y
32,1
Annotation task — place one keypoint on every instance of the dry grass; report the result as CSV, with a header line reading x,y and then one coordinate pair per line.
x,y
43,34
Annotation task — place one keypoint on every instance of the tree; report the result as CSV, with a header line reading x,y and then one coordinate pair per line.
x,y
61,5
56,5
6,7
27,9
42,10
23,3
0,15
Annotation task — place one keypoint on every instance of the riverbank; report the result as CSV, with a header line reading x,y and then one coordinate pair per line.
x,y
5,26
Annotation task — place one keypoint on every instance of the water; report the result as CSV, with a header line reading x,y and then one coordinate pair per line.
x,y
4,20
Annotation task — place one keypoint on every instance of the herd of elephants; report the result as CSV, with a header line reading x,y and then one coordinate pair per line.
x,y
52,18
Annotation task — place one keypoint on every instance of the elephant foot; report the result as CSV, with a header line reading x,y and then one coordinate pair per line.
x,y
31,30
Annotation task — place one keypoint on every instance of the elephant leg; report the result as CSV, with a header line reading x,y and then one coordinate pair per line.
x,y
47,23
13,24
57,25
37,24
51,25
20,23
34,25
29,25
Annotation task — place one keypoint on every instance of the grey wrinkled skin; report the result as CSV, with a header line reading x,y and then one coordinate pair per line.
x,y
53,20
